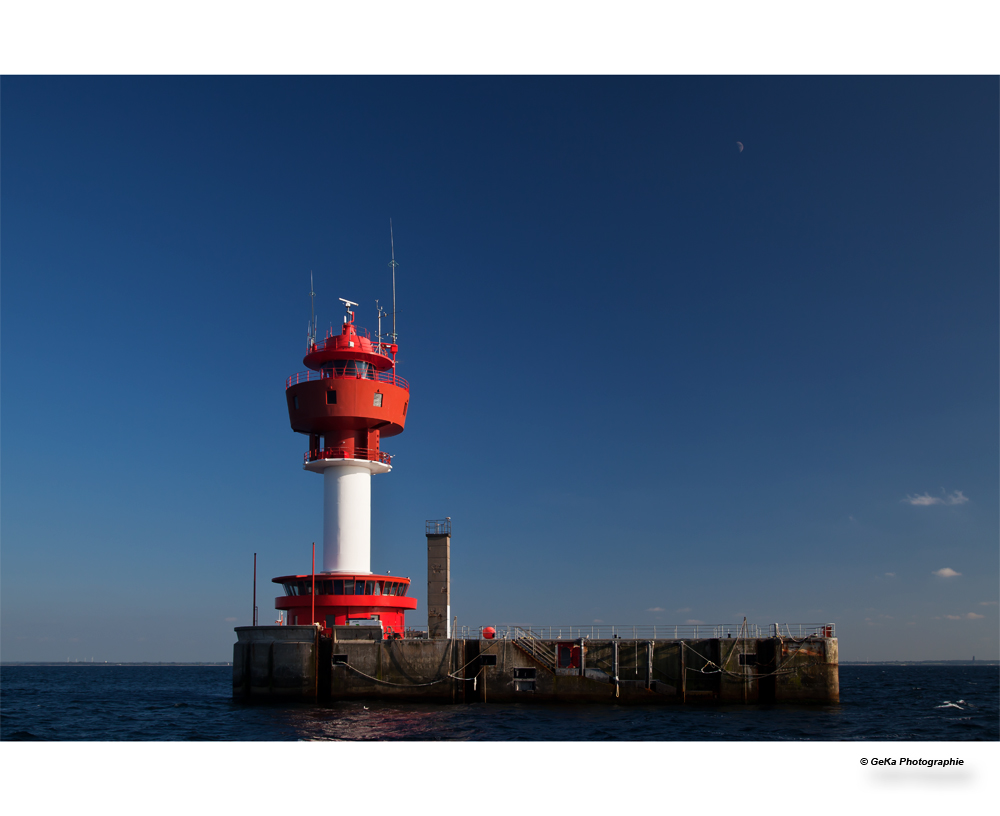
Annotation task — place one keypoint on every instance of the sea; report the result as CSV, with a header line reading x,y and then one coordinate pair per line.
x,y
101,703
170,739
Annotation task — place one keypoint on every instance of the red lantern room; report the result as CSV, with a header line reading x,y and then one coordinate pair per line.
x,y
345,403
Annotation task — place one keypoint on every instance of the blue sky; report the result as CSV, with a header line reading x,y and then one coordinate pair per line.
x,y
654,379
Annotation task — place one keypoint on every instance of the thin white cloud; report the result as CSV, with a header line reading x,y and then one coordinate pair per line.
x,y
657,609
230,620
685,609
974,616
987,603
927,499
890,575
598,620
946,572
953,617
694,622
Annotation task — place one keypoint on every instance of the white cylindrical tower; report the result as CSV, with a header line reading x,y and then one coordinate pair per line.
x,y
347,512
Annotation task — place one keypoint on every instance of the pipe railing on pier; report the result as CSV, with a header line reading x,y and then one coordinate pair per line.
x,y
686,631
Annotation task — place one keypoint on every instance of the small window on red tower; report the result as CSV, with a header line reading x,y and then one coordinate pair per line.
x,y
331,397
295,402
404,407
377,400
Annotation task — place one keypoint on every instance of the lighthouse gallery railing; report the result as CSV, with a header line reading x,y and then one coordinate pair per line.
x,y
389,377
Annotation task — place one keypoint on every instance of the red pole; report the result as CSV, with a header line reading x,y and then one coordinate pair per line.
x,y
314,585
254,618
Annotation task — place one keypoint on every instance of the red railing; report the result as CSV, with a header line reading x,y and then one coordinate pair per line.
x,y
390,377
344,453
385,349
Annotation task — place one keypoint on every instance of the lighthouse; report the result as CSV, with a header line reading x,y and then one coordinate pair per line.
x,y
348,400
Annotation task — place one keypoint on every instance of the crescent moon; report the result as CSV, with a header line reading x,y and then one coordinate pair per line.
x,y
740,146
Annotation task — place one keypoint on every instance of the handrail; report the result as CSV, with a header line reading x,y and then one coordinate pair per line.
x,y
389,377
542,652
360,331
438,526
687,631
385,349
543,635
343,453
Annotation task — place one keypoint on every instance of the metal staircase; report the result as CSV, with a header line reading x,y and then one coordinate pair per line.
x,y
538,650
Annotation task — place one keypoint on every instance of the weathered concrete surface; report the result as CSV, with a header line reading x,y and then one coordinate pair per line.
x,y
281,661
275,662
807,670
438,584
397,669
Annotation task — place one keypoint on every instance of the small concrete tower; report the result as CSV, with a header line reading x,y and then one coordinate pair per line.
x,y
439,578
345,403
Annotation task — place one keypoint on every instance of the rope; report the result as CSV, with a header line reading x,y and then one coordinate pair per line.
x,y
719,670
387,683
420,685
484,651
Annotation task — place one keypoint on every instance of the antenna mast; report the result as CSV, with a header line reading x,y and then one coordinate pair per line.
x,y
393,264
312,312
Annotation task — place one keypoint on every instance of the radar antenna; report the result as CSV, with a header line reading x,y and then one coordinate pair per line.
x,y
348,304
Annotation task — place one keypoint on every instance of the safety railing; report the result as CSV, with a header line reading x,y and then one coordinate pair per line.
x,y
803,630
330,341
344,453
686,631
360,331
388,377
438,526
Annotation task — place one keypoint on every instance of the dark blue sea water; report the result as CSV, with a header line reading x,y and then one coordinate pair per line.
x,y
113,703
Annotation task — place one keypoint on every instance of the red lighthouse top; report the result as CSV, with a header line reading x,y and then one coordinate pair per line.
x,y
350,398
350,345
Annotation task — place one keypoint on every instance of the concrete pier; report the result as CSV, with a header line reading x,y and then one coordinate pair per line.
x,y
295,662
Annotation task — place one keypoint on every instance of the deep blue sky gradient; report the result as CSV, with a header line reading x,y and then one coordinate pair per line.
x,y
654,379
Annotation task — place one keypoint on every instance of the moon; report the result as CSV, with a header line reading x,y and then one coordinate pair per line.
x,y
740,146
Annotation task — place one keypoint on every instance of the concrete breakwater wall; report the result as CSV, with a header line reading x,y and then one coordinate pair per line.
x,y
297,663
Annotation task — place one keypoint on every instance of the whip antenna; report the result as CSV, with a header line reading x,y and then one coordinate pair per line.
x,y
312,312
393,264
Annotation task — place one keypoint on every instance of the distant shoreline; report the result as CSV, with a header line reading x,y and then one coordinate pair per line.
x,y
8,663
920,662
39,663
